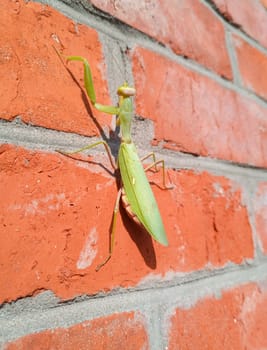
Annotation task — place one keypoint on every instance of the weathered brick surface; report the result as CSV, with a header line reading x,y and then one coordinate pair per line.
x,y
35,84
50,219
218,229
115,332
250,15
236,320
251,64
260,209
184,26
56,215
196,114
56,212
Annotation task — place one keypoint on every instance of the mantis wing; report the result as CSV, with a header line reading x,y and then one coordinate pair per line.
x,y
139,193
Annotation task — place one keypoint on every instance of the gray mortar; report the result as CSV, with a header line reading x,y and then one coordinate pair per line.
x,y
155,296
118,65
32,315
233,58
38,138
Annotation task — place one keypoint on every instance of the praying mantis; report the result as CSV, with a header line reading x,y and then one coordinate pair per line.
x,y
135,191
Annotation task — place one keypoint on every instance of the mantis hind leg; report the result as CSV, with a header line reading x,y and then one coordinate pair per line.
x,y
112,235
154,165
92,146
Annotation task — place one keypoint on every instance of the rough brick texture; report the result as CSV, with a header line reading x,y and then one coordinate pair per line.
x,y
236,320
120,331
199,70
260,207
251,64
56,219
184,26
37,87
208,120
250,15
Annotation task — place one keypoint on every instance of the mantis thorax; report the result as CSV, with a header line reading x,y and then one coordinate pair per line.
x,y
125,93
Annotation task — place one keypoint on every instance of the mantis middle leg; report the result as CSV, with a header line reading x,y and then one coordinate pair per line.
x,y
92,146
154,165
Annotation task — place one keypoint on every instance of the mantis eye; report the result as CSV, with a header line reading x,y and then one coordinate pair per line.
x,y
126,90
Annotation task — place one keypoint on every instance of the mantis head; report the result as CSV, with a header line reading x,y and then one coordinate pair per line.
x,y
125,90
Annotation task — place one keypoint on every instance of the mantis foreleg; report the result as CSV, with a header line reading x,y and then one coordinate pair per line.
x,y
89,86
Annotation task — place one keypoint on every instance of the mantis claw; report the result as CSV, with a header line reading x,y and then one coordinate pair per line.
x,y
99,266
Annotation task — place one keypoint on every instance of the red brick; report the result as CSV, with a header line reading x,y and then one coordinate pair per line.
x,y
250,15
260,207
252,64
116,332
211,224
184,26
35,84
237,320
50,222
55,217
197,114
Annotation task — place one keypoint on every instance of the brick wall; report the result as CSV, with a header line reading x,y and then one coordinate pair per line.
x,y
199,68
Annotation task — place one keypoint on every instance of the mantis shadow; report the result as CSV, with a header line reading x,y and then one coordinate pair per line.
x,y
141,238
88,160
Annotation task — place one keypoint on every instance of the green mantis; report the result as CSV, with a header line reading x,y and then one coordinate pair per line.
x,y
135,191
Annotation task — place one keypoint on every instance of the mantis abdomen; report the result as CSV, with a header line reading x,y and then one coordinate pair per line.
x,y
139,194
